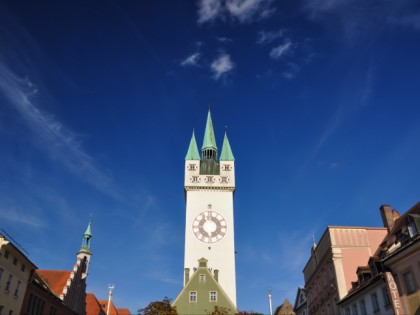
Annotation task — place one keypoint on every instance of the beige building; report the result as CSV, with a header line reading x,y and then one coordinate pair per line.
x,y
400,257
389,283
15,271
330,271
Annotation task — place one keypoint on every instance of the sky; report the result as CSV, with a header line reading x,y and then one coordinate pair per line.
x,y
98,101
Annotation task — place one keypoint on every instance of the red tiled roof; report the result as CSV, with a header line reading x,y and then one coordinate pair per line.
x,y
56,279
92,305
112,309
123,311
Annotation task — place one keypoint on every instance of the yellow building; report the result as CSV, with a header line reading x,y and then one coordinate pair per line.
x,y
15,271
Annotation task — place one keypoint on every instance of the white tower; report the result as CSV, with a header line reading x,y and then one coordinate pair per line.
x,y
209,187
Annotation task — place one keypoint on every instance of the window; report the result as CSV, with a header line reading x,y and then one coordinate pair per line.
x,y
224,179
15,261
362,306
385,294
22,268
1,272
226,167
17,288
1,309
10,312
375,302
347,311
6,254
193,296
213,296
9,281
409,282
354,309
202,278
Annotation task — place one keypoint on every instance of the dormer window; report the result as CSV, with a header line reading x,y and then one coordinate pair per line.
x,y
413,228
202,278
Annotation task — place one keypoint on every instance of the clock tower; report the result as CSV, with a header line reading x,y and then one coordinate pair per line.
x,y
209,229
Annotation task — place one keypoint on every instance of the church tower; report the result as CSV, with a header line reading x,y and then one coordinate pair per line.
x,y
209,231
84,253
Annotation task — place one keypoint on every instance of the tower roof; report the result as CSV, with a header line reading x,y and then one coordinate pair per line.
x,y
85,248
209,141
88,231
192,153
226,154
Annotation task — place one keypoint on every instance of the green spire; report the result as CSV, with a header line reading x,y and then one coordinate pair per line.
x,y
192,153
88,232
85,248
209,141
226,154
209,148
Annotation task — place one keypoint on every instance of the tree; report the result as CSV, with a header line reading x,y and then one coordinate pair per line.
x,y
163,307
248,313
220,310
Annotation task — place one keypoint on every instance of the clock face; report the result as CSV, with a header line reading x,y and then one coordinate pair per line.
x,y
209,227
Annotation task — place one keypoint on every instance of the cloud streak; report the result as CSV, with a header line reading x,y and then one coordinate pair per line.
x,y
191,61
60,142
10,214
266,37
281,50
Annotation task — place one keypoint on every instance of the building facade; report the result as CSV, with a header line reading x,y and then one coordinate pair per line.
x,y
400,257
15,272
301,307
60,291
329,273
209,230
389,283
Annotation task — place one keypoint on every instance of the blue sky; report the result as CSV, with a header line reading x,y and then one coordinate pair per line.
x,y
98,100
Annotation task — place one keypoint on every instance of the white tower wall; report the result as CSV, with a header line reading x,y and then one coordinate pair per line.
x,y
211,193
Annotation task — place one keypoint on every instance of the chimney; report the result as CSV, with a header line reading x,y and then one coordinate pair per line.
x,y
387,217
216,275
186,275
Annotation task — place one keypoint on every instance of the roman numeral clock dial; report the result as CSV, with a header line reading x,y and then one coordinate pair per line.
x,y
209,227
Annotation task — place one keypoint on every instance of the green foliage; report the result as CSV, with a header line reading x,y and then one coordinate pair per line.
x,y
218,310
158,308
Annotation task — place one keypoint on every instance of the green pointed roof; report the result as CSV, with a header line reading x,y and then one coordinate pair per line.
x,y
226,154
209,141
192,153
88,232
85,248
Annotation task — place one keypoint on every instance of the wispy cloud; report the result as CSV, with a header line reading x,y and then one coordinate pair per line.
x,y
291,71
224,39
59,142
209,10
316,7
10,214
266,37
222,66
247,10
281,50
407,20
191,61
241,10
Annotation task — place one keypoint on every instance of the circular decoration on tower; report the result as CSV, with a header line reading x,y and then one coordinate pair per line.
x,y
209,227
